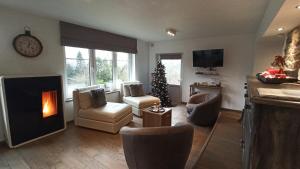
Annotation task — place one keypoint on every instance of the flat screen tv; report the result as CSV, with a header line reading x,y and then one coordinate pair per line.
x,y
208,58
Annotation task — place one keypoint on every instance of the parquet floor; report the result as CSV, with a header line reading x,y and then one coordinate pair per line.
x,y
81,148
223,150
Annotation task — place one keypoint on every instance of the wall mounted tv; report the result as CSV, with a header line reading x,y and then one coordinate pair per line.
x,y
208,58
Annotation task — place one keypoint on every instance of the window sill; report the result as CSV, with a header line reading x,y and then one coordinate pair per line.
x,y
112,91
69,100
106,92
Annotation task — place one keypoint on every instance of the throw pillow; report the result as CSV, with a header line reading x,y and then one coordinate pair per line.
x,y
126,90
98,98
85,100
136,90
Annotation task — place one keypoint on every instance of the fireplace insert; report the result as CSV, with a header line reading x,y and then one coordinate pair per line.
x,y
32,107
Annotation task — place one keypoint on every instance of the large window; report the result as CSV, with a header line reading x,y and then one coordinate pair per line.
x,y
86,67
104,67
122,68
77,68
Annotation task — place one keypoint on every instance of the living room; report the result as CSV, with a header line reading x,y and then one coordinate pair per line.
x,y
112,43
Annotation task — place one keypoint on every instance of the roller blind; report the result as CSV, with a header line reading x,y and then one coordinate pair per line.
x,y
84,37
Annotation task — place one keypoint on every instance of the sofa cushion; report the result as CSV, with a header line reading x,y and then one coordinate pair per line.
x,y
98,98
142,101
126,90
85,99
136,90
111,112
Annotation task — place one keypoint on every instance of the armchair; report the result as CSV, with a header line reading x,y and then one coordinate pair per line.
x,y
157,147
203,109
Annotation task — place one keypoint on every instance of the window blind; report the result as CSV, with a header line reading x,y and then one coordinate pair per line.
x,y
84,37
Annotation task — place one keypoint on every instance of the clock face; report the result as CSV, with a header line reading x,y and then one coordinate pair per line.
x,y
27,45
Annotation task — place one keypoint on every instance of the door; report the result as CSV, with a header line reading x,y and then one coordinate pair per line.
x,y
172,63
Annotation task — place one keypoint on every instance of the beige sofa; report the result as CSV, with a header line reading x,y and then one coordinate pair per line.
x,y
138,103
110,117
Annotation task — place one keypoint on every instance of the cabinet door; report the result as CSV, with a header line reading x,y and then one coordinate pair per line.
x,y
247,137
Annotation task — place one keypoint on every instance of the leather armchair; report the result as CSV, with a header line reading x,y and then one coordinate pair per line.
x,y
203,109
157,147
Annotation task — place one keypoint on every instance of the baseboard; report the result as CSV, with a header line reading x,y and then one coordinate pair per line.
x,y
233,110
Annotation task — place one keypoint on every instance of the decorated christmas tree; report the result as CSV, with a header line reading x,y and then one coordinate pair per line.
x,y
160,86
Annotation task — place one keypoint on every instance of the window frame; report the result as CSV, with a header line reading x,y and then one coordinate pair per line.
x,y
93,68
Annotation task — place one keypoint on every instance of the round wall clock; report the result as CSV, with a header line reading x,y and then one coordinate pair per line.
x,y
27,45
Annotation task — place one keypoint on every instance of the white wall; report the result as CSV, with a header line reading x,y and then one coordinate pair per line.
x,y
238,61
265,50
142,63
51,61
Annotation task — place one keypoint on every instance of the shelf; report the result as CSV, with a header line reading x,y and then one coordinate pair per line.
x,y
207,73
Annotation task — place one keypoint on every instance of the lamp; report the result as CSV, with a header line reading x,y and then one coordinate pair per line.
x,y
171,32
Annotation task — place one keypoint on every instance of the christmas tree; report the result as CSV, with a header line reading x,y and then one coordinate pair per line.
x,y
160,86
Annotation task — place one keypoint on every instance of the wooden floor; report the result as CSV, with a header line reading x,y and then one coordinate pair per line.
x,y
82,148
223,150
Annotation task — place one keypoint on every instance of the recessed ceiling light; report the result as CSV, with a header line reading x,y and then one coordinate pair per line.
x,y
298,7
171,32
280,29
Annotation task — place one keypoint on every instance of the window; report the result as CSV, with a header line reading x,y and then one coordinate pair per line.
x,y
77,69
104,67
108,69
122,68
173,70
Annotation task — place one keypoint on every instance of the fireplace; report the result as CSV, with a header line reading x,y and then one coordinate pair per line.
x,y
49,103
32,107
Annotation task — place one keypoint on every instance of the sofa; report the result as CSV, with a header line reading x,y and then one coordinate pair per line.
x,y
203,108
109,117
137,102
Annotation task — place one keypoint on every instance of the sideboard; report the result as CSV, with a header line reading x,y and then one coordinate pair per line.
x,y
271,129
198,88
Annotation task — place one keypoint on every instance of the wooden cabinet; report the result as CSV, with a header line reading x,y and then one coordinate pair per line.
x,y
271,129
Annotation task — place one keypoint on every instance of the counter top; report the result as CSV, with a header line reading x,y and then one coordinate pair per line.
x,y
253,84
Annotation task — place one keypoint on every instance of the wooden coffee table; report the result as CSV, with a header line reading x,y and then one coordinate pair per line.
x,y
152,119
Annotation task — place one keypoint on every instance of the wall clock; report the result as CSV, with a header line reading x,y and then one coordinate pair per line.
x,y
27,45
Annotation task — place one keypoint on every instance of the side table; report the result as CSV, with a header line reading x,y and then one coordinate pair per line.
x,y
153,119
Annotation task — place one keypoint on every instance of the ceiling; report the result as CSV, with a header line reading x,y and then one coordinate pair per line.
x,y
148,19
287,17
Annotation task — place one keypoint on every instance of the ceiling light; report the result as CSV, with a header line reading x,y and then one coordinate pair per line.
x,y
171,32
280,29
298,7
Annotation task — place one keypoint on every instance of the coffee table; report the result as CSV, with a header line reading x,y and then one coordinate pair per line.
x,y
153,119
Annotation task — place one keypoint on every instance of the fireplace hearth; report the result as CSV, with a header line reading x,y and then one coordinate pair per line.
x,y
32,107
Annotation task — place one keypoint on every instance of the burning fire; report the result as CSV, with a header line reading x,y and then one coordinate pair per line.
x,y
49,103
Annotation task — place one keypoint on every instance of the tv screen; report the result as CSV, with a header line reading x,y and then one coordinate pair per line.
x,y
208,58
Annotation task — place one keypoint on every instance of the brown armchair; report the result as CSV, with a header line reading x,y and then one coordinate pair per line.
x,y
203,109
157,147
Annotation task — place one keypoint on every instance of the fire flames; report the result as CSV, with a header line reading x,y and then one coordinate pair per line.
x,y
49,103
